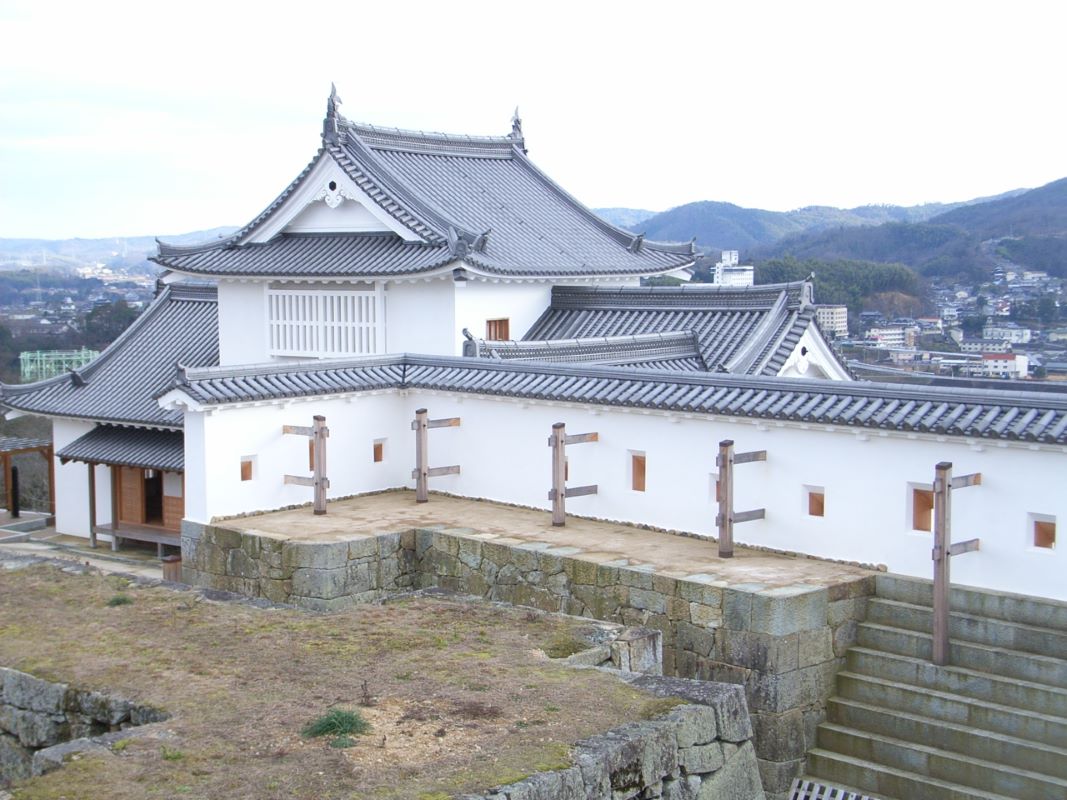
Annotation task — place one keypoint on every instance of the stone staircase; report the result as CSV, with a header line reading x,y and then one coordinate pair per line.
x,y
992,726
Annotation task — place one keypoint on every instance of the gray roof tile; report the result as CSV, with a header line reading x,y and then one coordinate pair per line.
x,y
131,447
180,326
475,198
1027,416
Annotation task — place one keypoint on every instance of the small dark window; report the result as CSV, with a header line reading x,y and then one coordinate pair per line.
x,y
816,503
379,451
246,469
333,186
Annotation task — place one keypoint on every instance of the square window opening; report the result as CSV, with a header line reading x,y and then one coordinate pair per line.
x,y
816,501
637,471
1043,529
498,330
922,507
378,451
248,468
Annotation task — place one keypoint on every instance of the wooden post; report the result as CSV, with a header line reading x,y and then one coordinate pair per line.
x,y
422,467
423,471
942,521
319,435
115,492
725,519
943,550
559,468
49,455
92,505
7,479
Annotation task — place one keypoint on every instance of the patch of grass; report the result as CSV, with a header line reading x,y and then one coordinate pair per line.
x,y
338,723
562,645
120,745
171,754
341,742
434,796
659,707
119,600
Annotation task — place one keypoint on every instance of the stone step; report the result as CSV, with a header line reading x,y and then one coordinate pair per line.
x,y
970,628
971,684
1022,609
940,764
978,714
888,783
1010,751
984,658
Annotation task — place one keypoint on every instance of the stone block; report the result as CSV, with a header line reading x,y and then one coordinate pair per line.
x,y
701,758
549,563
665,584
861,587
840,611
251,545
685,787
524,560
101,707
638,650
580,572
361,577
645,600
367,547
844,637
536,597
317,582
36,728
738,779
52,758
779,737
226,538
277,591
705,616
695,639
240,565
636,579
694,725
788,609
212,557
774,692
778,776
816,647
737,609
558,583
316,555
33,694
15,760
677,609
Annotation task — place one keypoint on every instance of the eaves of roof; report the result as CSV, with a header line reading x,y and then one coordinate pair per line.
x,y
1022,416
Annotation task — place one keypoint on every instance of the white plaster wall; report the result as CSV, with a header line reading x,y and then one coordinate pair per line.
x,y
420,317
502,449
72,484
225,436
478,301
242,323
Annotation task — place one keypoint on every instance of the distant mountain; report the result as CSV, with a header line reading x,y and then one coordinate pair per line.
x,y
119,250
624,217
949,243
725,226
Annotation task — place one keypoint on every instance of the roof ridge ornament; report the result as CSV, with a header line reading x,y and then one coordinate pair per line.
x,y
518,140
331,132
635,245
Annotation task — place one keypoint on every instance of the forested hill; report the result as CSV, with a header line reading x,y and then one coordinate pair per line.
x,y
1031,225
725,226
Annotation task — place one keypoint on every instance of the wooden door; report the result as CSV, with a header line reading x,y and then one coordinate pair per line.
x,y
131,495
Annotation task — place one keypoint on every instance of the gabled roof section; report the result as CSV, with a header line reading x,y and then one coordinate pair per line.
x,y
477,198
180,326
748,330
1039,417
128,447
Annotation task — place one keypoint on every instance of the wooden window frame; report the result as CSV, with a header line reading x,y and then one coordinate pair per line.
x,y
498,329
1043,531
815,501
378,451
248,468
921,499
638,471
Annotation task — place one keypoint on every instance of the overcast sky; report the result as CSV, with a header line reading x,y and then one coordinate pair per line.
x,y
162,118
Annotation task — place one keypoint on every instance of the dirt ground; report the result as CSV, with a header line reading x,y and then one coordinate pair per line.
x,y
460,695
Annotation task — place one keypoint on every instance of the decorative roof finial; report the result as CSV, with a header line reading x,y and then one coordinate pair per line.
x,y
330,131
516,130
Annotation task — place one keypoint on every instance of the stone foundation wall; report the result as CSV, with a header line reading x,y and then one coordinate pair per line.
x,y
38,717
784,645
697,751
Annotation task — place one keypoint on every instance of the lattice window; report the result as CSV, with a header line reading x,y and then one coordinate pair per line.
x,y
322,323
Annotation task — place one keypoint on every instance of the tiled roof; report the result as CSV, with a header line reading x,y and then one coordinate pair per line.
x,y
476,199
668,350
13,444
180,326
742,330
131,447
1026,416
